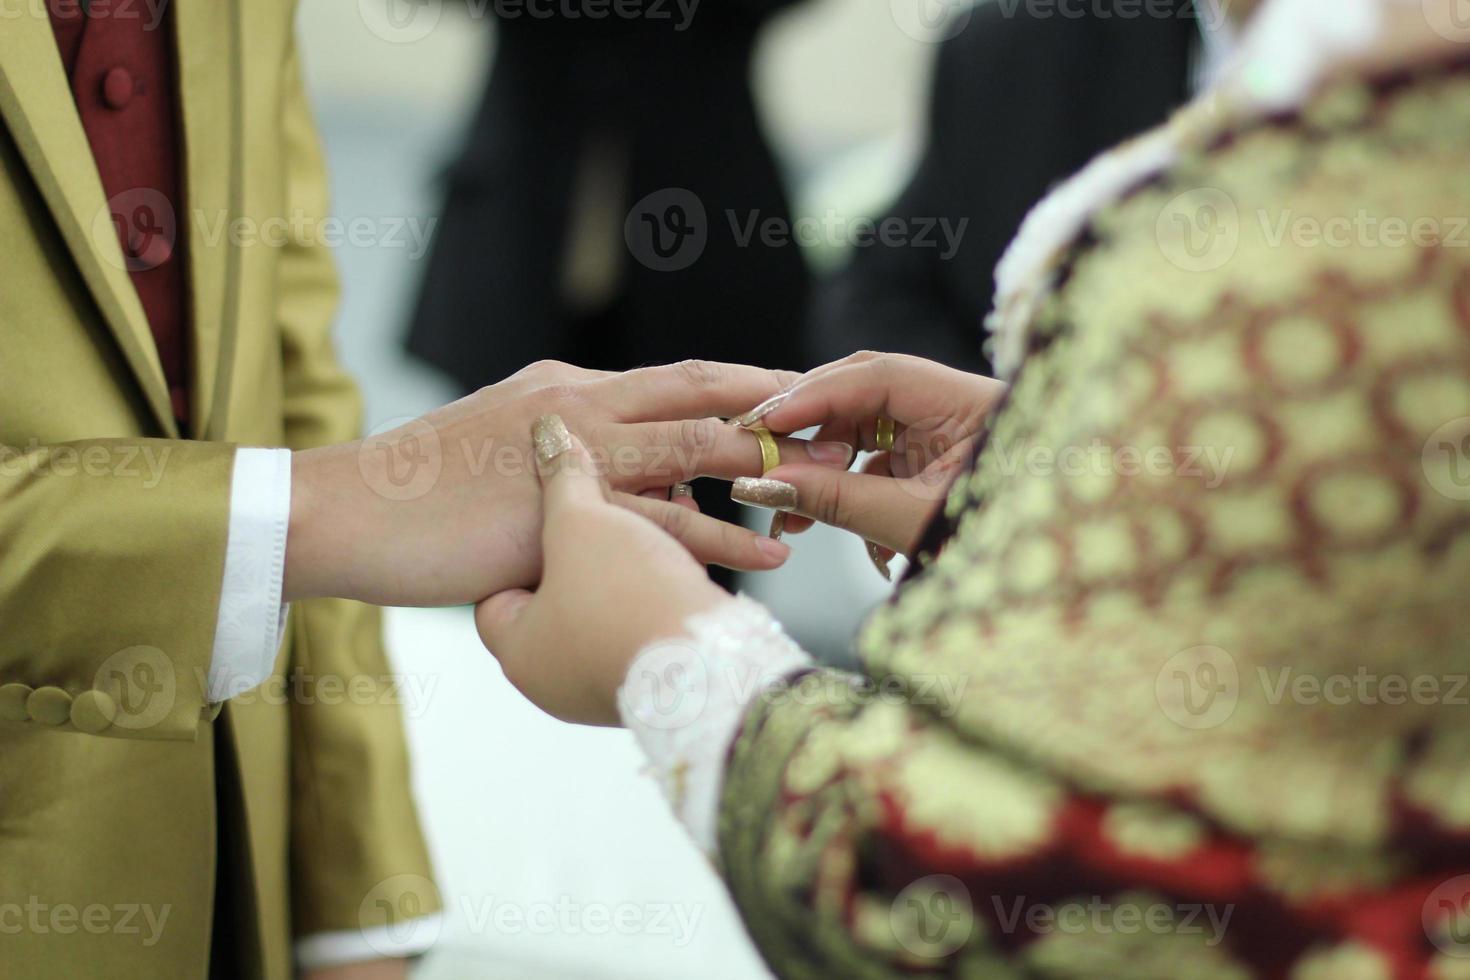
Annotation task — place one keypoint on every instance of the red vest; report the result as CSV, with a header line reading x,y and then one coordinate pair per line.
x,y
122,77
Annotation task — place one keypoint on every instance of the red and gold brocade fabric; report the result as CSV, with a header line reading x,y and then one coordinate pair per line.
x,y
1187,682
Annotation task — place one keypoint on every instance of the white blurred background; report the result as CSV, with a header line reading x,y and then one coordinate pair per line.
x,y
556,858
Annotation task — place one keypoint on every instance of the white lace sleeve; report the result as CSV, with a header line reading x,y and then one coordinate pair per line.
x,y
684,699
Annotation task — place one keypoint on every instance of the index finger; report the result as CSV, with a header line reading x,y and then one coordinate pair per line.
x,y
689,389
909,390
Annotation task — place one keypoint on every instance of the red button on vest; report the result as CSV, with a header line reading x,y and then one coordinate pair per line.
x,y
115,64
117,88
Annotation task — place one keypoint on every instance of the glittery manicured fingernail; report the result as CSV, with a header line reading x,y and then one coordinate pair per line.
x,y
778,525
551,438
777,494
879,560
761,411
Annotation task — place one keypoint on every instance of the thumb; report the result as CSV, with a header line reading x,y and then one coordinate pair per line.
x,y
882,509
568,475
496,619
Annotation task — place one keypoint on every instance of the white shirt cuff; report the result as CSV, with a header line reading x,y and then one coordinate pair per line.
x,y
247,635
391,942
685,699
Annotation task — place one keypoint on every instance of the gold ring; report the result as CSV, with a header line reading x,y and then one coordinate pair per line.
x,y
770,459
770,452
883,434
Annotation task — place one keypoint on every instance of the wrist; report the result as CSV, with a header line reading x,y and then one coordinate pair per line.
x,y
308,565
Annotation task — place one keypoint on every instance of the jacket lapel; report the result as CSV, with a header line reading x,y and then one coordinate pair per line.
x,y
209,76
37,107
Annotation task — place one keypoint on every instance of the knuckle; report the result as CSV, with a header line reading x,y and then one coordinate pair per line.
x,y
674,519
698,434
560,394
546,370
829,504
700,373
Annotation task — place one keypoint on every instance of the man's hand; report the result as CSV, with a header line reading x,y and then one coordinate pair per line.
x,y
447,509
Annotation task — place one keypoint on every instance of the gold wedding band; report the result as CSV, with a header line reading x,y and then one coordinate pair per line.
x,y
883,439
770,459
770,452
883,434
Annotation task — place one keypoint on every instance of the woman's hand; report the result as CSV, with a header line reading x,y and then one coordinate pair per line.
x,y
938,414
613,582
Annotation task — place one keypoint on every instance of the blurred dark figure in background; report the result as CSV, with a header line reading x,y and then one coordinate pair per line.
x,y
1024,96
585,119
591,128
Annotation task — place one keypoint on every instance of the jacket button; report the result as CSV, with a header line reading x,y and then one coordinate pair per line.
x,y
93,711
117,88
49,706
13,702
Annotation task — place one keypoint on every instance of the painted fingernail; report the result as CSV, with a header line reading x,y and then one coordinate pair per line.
x,y
778,525
880,561
681,490
777,494
773,549
839,453
761,411
551,438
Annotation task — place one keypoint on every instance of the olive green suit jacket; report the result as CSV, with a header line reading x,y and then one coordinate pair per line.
x,y
112,543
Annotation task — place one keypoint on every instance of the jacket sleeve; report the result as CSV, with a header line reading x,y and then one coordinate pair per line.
x,y
111,558
354,823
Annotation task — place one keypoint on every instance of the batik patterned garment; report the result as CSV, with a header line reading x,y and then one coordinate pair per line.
x,y
1185,685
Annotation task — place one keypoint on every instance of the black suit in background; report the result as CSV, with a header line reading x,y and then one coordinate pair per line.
x,y
1019,102
652,113
669,109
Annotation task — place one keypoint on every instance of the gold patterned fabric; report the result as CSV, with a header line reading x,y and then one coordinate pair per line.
x,y
1185,688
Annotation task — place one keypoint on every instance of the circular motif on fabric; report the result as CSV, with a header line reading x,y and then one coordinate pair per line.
x,y
1357,505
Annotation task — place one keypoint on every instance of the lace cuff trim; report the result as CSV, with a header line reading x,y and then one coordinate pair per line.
x,y
685,698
